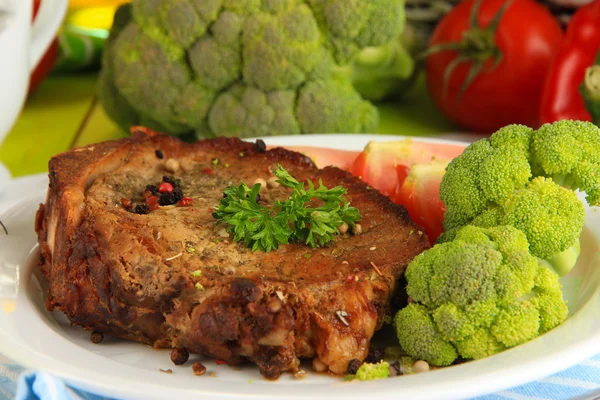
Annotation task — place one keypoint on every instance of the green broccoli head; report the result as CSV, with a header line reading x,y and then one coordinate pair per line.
x,y
191,66
526,179
476,295
370,372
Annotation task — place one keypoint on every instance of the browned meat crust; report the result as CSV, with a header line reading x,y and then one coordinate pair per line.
x,y
130,275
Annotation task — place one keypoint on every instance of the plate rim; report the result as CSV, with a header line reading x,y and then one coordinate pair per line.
x,y
384,389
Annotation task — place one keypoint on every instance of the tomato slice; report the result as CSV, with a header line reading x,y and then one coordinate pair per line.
x,y
420,194
380,163
407,171
323,157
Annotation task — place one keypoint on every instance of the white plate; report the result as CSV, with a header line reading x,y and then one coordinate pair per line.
x,y
37,339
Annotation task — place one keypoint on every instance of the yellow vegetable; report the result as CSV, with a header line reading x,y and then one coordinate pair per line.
x,y
95,3
91,18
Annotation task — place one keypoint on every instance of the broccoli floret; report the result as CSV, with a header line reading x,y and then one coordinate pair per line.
x,y
280,50
569,153
526,179
370,372
383,71
156,84
551,216
349,26
176,24
476,295
418,335
318,108
216,59
247,110
191,66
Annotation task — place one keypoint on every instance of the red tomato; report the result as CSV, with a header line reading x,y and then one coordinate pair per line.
x,y
323,157
420,194
528,37
384,165
42,70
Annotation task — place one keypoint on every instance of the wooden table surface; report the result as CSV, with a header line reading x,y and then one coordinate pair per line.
x,y
63,113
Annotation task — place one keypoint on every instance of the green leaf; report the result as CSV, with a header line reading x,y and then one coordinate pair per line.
x,y
292,220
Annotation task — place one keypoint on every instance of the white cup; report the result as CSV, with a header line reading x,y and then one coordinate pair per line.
x,y
22,45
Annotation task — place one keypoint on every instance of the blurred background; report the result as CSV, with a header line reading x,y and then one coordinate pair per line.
x,y
427,68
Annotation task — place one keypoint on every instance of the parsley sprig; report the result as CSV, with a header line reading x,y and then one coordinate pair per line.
x,y
297,219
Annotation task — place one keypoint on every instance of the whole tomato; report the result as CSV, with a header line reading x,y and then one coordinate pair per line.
x,y
45,65
488,61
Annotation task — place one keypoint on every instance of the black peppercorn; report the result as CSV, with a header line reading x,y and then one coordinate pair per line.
x,y
152,189
172,180
167,199
260,146
142,209
179,356
96,337
178,193
170,198
353,366
159,154
375,355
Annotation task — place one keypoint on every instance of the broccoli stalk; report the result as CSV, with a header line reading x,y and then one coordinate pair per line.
x,y
477,295
382,72
527,179
564,261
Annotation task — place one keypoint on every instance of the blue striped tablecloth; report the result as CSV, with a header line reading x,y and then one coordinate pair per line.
x,y
579,382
